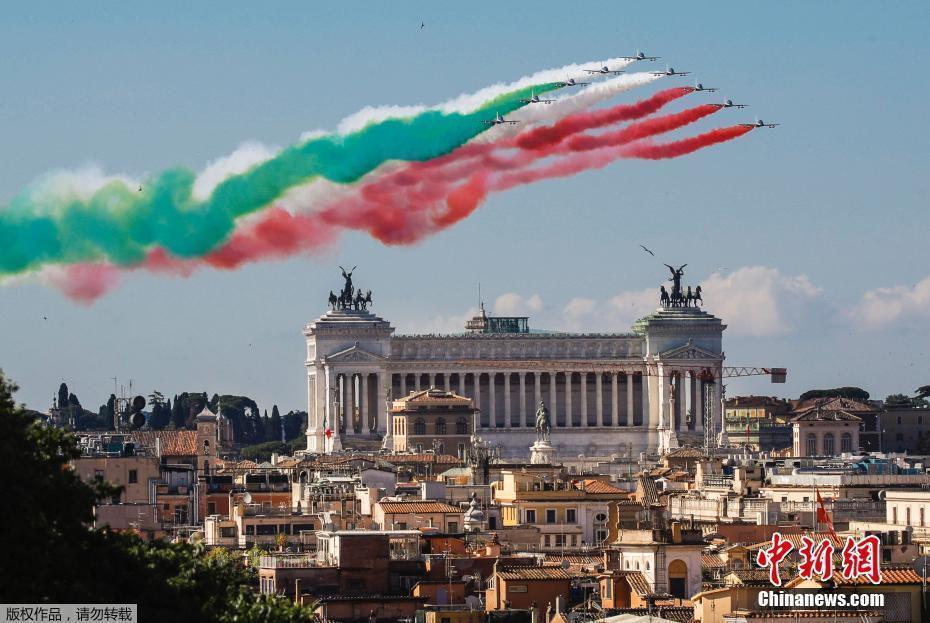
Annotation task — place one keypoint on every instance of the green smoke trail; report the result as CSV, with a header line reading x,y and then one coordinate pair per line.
x,y
120,224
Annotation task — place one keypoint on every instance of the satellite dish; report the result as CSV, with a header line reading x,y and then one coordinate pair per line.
x,y
565,565
138,419
247,498
138,403
922,566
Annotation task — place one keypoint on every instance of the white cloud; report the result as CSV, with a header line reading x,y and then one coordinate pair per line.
x,y
754,300
760,300
882,307
578,312
512,304
441,324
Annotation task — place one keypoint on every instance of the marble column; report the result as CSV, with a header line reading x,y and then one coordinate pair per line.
x,y
350,402
461,383
553,404
507,422
382,410
403,384
476,376
569,410
683,401
327,404
614,400
584,399
445,381
537,391
630,411
363,416
523,415
599,403
666,419
492,398
432,380
416,381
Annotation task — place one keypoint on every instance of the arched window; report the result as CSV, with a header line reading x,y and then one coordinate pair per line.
x,y
419,426
828,446
921,516
846,442
811,444
461,426
206,467
206,446
440,426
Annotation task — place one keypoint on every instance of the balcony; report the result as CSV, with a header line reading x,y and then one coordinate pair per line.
x,y
256,510
287,562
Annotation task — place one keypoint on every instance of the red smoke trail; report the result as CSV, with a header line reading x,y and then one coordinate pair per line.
x,y
466,198
539,138
642,129
401,215
391,209
422,198
278,234
674,149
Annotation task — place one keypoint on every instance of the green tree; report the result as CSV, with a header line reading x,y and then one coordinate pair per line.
x,y
295,424
262,451
63,396
852,393
897,400
59,559
273,429
111,411
178,417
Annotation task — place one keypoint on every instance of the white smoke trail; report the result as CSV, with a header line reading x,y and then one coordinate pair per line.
x,y
565,105
318,193
469,102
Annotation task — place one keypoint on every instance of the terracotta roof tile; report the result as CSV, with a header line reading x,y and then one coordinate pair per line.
x,y
649,491
712,561
638,582
534,573
418,507
890,575
173,442
600,487
685,453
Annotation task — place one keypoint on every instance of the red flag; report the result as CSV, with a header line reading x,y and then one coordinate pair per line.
x,y
822,515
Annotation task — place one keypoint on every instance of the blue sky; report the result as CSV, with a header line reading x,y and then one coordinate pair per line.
x,y
830,206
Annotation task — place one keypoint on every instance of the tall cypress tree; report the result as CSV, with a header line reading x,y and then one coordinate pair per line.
x,y
111,412
63,396
274,432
